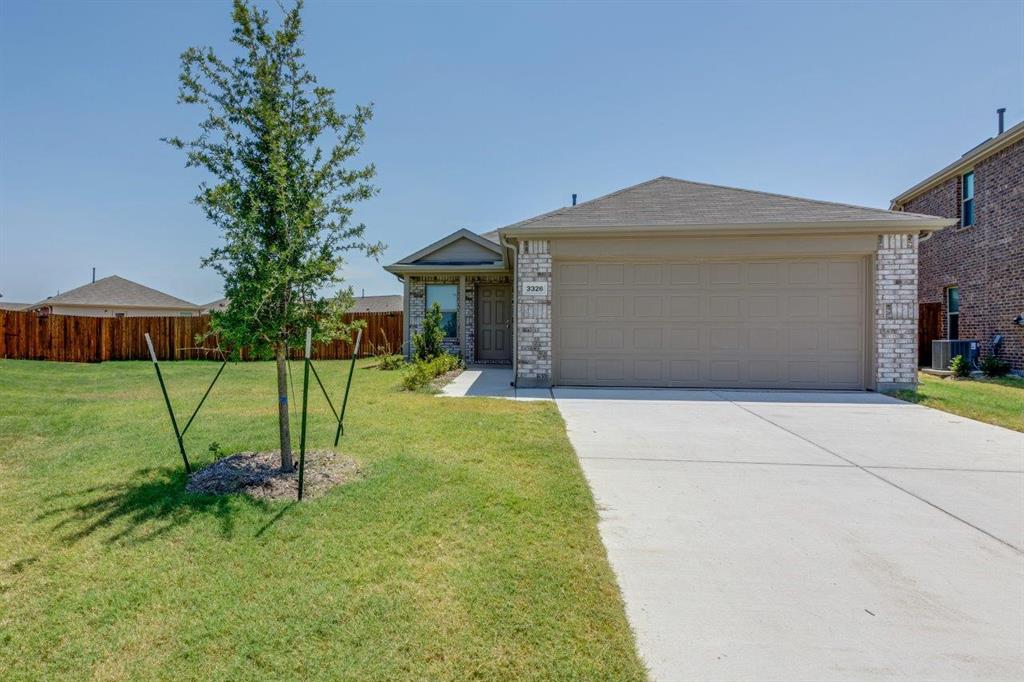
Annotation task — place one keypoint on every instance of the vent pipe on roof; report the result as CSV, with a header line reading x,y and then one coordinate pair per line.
x,y
94,275
1001,111
573,199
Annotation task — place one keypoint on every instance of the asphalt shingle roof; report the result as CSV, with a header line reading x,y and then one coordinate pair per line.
x,y
115,291
667,202
378,304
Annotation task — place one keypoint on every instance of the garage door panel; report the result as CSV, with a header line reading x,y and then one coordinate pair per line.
x,y
770,323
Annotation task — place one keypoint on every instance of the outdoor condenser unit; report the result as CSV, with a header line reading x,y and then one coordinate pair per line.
x,y
944,350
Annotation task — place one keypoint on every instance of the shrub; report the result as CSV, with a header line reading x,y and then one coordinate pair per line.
x,y
959,366
429,342
994,367
390,362
422,372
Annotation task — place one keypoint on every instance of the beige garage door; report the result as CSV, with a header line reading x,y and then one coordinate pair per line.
x,y
796,323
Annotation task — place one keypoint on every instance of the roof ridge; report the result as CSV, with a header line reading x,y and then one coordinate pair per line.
x,y
792,197
585,203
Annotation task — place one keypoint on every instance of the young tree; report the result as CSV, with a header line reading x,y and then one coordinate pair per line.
x,y
283,204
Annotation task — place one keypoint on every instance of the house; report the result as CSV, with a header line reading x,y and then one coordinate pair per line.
x,y
363,304
11,305
677,283
116,297
377,304
220,305
972,275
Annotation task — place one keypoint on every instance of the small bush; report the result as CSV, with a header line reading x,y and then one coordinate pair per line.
x,y
390,362
992,366
422,372
428,343
959,366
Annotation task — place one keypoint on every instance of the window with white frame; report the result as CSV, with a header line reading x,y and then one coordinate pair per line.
x,y
953,313
447,298
967,199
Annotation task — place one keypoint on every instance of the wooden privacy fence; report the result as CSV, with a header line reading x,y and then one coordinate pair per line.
x,y
71,338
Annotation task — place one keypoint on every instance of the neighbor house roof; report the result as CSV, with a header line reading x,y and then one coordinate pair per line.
x,y
117,291
378,304
984,150
11,305
218,305
363,304
670,203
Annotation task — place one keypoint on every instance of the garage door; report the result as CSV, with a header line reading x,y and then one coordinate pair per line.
x,y
796,323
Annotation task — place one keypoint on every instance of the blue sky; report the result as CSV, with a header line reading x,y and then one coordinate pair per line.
x,y
487,114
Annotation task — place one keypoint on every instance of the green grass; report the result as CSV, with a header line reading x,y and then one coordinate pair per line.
x,y
469,551
995,401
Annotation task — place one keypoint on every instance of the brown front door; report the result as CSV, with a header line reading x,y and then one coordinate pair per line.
x,y
494,322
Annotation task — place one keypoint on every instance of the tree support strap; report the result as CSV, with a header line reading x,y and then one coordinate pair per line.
x,y
179,435
167,400
348,386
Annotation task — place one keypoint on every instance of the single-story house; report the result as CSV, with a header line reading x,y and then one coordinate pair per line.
x,y
677,283
391,303
116,297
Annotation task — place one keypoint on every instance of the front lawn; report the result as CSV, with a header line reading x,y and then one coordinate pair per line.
x,y
469,550
996,401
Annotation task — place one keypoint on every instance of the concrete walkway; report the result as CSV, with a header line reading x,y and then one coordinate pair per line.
x,y
484,381
807,536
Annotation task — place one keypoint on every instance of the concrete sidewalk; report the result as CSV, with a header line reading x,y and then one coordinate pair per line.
x,y
484,381
807,536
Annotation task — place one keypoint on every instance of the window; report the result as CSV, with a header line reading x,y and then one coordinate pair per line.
x,y
446,296
953,313
967,200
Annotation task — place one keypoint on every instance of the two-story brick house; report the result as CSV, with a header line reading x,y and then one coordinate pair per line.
x,y
973,272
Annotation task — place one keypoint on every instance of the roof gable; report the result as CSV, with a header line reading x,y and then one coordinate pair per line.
x,y
669,202
461,247
117,291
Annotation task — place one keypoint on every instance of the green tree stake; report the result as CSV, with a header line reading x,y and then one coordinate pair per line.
x,y
170,410
305,398
348,385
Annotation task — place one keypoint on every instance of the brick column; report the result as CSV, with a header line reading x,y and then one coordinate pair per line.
x,y
896,312
533,315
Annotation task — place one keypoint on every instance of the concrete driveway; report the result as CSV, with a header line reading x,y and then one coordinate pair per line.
x,y
807,536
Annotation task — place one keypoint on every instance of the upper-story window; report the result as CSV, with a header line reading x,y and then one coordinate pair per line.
x,y
967,199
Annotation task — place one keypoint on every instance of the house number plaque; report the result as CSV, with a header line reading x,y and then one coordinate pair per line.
x,y
535,289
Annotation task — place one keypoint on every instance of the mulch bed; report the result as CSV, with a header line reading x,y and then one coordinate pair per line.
x,y
440,382
259,475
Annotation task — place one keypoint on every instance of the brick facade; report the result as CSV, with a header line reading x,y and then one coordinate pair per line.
x,y
533,315
467,309
895,309
985,260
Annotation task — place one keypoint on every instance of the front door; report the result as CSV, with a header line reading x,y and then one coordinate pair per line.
x,y
494,322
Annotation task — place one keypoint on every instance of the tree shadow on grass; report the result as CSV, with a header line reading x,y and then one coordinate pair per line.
x,y
152,503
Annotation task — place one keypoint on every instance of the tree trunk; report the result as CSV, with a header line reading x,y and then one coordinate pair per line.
x,y
281,355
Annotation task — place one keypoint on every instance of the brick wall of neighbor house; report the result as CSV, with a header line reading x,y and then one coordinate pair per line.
x,y
533,315
896,311
985,260
467,308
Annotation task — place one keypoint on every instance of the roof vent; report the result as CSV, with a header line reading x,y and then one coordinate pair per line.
x,y
1001,111
573,199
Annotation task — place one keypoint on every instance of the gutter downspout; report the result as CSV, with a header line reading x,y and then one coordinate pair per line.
x,y
515,309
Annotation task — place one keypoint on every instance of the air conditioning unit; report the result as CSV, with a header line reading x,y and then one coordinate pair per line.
x,y
944,350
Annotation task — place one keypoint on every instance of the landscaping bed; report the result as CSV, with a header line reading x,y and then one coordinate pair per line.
x,y
259,475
